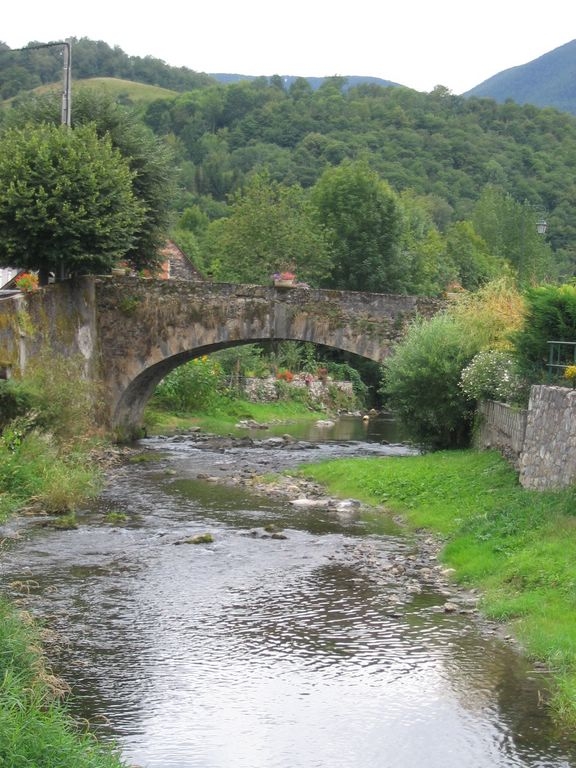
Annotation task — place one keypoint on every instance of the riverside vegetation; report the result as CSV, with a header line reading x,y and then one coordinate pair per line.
x,y
515,546
47,463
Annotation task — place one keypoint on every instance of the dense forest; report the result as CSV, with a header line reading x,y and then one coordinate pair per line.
x,y
365,186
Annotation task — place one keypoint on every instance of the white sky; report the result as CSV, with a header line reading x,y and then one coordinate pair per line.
x,y
417,43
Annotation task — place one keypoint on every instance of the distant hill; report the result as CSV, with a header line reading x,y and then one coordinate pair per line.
x,y
549,81
314,82
123,91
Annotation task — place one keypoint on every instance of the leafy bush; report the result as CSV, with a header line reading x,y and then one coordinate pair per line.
x,y
64,398
421,382
15,401
492,375
551,316
195,386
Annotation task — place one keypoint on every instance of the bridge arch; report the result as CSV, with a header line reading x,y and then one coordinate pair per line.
x,y
132,331
147,328
129,413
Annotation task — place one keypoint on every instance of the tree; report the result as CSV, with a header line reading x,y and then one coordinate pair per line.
x,y
148,158
271,228
362,218
510,230
422,383
66,200
422,377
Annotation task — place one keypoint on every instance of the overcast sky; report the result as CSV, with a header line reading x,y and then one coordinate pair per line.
x,y
417,43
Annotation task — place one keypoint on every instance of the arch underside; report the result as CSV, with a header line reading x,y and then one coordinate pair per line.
x,y
129,411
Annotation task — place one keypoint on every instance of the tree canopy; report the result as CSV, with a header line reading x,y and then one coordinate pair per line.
x,y
66,200
149,159
362,218
271,229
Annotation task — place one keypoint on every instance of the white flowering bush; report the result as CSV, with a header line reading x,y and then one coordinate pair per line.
x,y
492,375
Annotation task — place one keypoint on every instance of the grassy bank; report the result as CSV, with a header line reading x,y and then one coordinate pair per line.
x,y
518,547
222,420
48,463
35,729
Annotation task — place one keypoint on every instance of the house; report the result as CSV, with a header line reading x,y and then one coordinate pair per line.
x,y
176,265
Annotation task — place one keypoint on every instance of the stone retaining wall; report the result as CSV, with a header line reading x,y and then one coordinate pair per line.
x,y
548,457
264,390
541,441
501,427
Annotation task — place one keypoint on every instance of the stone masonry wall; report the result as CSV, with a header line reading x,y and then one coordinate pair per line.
x,y
265,389
548,458
540,441
501,427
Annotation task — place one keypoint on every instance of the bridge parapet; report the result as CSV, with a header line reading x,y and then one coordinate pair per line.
x,y
133,331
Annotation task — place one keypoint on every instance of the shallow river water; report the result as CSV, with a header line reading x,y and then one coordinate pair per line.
x,y
264,652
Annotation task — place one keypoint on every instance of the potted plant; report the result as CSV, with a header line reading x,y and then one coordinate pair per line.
x,y
27,282
284,279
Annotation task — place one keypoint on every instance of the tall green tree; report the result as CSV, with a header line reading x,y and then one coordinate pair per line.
x,y
511,231
149,159
271,229
361,215
67,202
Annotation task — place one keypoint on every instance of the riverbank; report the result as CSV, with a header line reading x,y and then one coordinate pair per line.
x,y
517,547
514,548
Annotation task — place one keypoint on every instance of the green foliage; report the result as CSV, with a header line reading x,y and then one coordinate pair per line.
x,y
510,230
195,386
492,375
36,728
271,228
550,316
64,399
421,382
361,215
148,159
66,200
478,174
14,401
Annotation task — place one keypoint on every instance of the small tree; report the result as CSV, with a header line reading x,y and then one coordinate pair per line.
x,y
421,383
148,158
66,200
362,217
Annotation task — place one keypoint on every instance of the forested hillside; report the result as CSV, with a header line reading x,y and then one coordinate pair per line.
x,y
548,81
363,186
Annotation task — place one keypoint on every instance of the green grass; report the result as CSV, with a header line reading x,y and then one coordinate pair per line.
x,y
126,91
517,546
223,419
35,729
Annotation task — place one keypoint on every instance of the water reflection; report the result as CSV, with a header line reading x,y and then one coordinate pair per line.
x,y
261,653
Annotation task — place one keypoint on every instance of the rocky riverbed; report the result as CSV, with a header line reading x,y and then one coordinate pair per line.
x,y
262,465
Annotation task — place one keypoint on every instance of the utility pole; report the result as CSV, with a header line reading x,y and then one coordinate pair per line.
x,y
66,114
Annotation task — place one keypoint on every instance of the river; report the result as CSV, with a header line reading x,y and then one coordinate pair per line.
x,y
294,640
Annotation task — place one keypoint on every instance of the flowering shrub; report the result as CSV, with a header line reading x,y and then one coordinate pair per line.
x,y
570,374
491,375
285,376
27,282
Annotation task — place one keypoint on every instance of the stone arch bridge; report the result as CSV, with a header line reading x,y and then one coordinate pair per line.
x,y
132,331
